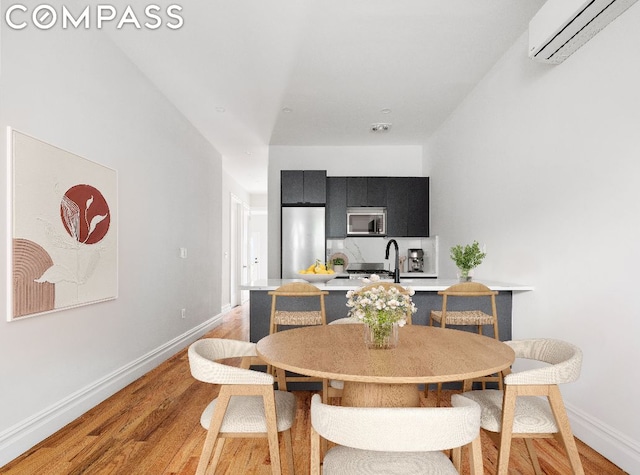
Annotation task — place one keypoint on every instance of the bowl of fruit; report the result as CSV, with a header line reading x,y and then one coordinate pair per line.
x,y
317,272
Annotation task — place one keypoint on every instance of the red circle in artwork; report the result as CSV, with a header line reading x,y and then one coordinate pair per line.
x,y
85,214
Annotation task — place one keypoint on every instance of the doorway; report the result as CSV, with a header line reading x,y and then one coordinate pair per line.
x,y
239,248
258,257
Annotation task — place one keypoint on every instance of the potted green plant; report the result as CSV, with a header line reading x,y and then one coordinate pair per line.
x,y
466,258
338,265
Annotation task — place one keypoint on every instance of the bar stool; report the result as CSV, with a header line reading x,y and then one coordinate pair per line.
x,y
300,316
472,316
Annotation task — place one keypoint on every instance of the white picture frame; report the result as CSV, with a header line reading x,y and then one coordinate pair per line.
x,y
62,213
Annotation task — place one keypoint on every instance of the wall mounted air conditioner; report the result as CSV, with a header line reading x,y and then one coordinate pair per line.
x,y
563,26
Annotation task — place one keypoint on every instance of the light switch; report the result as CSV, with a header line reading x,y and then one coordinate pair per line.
x,y
183,252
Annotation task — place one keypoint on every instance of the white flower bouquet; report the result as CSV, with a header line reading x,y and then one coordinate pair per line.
x,y
382,308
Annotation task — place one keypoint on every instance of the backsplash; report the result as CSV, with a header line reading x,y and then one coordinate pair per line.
x,y
372,249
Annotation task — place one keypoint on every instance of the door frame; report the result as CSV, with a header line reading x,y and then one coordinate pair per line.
x,y
239,250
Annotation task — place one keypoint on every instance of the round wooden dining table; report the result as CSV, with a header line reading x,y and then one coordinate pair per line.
x,y
385,377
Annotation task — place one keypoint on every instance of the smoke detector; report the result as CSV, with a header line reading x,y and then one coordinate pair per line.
x,y
380,127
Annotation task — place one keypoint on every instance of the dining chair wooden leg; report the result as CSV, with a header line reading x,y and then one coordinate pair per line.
x,y
325,400
475,457
506,431
426,386
315,452
531,450
213,432
281,379
268,397
456,458
564,429
210,461
288,447
217,454
483,383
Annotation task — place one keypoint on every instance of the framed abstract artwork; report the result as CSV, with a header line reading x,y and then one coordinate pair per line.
x,y
63,221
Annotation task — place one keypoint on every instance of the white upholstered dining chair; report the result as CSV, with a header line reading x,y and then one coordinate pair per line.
x,y
246,406
531,405
398,440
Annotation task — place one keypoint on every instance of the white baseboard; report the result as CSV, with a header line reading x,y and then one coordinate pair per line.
x,y
226,308
610,443
18,439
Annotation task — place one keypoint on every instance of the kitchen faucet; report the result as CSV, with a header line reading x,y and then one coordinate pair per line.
x,y
396,271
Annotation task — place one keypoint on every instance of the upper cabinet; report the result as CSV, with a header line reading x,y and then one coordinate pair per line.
x,y
377,190
303,187
356,190
366,191
418,220
397,206
408,206
336,210
406,199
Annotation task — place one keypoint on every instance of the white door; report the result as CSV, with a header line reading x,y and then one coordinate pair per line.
x,y
258,245
239,246
244,253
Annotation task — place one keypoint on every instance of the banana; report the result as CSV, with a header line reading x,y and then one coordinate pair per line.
x,y
317,268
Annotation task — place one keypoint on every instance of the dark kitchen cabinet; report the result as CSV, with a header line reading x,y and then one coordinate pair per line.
x,y
336,211
291,186
397,206
377,190
367,191
303,187
418,220
408,206
357,191
406,200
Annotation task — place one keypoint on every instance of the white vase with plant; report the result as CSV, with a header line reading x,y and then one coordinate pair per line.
x,y
338,265
466,258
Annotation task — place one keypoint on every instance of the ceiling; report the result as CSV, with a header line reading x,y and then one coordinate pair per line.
x,y
253,73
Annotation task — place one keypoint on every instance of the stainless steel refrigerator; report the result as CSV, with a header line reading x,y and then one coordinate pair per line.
x,y
303,239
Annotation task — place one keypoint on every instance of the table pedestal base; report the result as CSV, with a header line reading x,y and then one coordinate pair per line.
x,y
380,395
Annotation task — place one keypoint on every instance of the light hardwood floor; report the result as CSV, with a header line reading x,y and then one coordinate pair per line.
x,y
153,427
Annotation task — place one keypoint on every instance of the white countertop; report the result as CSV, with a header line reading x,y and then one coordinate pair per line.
x,y
408,275
419,285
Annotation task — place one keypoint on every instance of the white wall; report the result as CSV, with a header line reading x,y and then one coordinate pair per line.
x,y
541,164
74,90
403,160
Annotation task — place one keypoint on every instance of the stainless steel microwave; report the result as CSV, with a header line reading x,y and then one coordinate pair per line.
x,y
366,221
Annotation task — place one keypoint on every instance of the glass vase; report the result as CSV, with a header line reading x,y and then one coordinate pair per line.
x,y
464,275
381,336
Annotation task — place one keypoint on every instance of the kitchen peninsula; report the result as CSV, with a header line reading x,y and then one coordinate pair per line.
x,y
426,298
